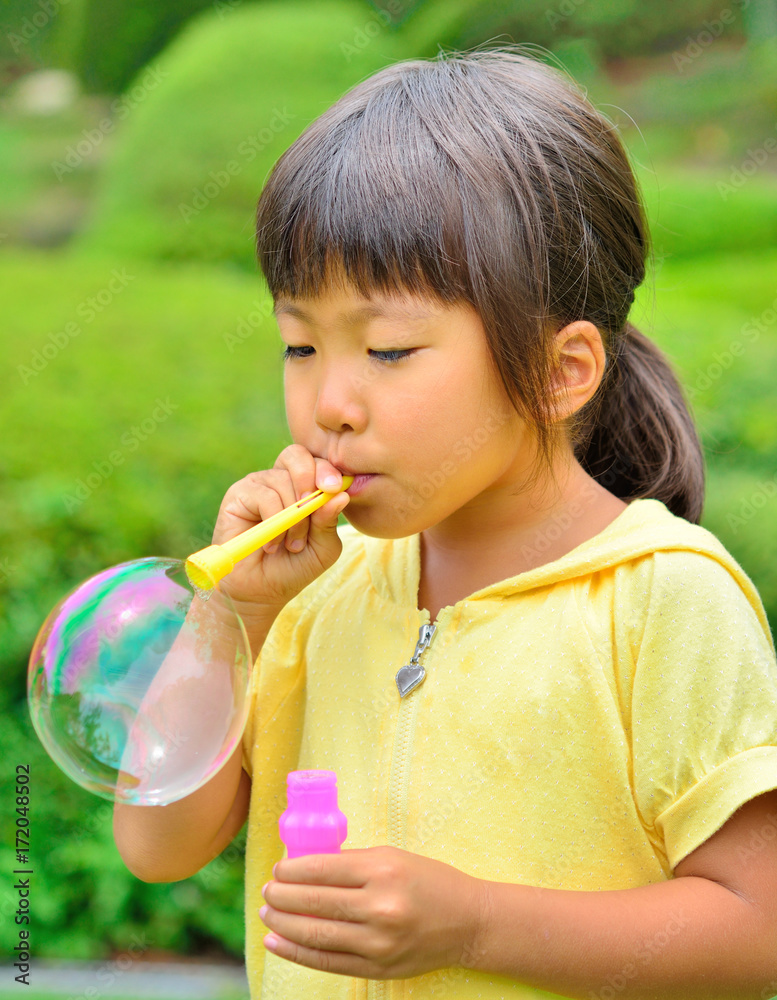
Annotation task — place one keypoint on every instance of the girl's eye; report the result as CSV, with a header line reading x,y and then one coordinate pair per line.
x,y
294,352
389,357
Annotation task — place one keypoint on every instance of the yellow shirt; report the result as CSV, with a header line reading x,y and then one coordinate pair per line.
x,y
582,725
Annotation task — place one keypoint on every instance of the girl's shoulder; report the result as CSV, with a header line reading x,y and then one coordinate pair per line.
x,y
684,554
682,576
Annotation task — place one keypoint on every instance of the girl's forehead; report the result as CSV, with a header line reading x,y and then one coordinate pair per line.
x,y
399,304
354,313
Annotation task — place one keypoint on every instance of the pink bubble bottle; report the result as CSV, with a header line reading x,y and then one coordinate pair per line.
x,y
312,823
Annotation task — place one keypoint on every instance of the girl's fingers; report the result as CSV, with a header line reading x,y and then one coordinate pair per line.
x,y
297,461
309,474
329,902
295,475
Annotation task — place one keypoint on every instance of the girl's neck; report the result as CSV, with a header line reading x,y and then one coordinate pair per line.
x,y
477,547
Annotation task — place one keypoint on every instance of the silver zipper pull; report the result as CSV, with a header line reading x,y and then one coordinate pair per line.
x,y
412,674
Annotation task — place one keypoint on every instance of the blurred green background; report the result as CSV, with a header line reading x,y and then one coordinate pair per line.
x,y
141,368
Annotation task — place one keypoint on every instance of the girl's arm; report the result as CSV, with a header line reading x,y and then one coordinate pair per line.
x,y
708,934
171,842
168,843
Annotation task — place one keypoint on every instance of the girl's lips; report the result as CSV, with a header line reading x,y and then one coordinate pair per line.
x,y
360,482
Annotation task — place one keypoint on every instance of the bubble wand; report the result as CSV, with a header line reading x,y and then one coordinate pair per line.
x,y
138,684
206,567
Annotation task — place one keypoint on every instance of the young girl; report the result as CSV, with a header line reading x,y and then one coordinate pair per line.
x,y
549,695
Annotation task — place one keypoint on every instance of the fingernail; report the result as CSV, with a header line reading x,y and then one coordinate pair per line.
x,y
273,869
331,483
264,887
296,545
263,913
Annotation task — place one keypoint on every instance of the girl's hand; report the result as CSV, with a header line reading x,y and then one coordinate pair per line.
x,y
379,913
271,578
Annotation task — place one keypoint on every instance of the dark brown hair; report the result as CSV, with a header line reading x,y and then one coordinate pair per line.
x,y
488,177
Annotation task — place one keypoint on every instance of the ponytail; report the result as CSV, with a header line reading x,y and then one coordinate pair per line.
x,y
638,438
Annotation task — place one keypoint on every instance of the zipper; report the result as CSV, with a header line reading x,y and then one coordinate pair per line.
x,y
399,775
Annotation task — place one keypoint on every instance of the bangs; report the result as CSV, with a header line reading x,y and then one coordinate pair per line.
x,y
382,191
365,194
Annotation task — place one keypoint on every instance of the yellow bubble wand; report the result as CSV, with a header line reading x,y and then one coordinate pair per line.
x,y
206,567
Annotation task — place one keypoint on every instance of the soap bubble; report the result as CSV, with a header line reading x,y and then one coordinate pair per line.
x,y
138,688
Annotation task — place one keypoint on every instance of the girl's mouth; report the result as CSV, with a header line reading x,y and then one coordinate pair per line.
x,y
360,483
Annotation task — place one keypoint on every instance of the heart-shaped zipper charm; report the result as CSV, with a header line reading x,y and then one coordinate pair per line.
x,y
409,677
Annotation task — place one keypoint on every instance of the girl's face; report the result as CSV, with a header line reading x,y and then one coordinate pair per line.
x,y
402,387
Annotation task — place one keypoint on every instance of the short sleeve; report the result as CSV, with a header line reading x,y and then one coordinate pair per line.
x,y
704,704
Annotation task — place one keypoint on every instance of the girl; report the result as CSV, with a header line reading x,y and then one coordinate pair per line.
x,y
549,695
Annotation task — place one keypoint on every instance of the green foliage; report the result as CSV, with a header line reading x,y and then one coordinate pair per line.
x,y
113,41
161,338
222,103
715,317
104,42
185,168
696,213
620,30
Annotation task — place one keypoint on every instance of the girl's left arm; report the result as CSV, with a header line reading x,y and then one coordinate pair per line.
x,y
710,933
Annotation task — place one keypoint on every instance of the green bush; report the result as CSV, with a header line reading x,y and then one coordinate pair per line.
x,y
197,340
700,213
616,31
191,158
186,166
106,44
716,319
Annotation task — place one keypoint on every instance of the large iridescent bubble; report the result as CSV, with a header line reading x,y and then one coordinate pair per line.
x,y
137,685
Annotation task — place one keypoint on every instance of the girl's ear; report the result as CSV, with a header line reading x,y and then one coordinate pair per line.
x,y
579,367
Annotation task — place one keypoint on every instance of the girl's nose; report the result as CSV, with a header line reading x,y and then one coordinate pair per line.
x,y
340,402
